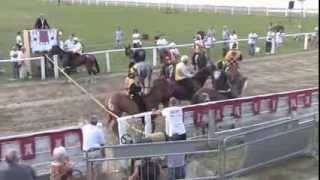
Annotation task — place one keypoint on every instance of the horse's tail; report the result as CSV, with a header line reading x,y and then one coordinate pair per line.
x,y
97,65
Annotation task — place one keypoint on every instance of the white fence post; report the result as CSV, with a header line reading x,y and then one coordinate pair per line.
x,y
286,12
305,47
154,56
72,2
97,2
108,61
55,67
273,45
43,68
215,9
232,10
249,10
267,11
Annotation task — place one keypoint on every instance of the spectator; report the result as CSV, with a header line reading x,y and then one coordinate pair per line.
x,y
279,39
15,67
60,168
76,46
173,116
61,43
149,169
209,41
19,42
119,37
233,40
160,42
93,141
252,43
136,38
24,65
225,38
176,163
269,38
41,23
69,42
13,170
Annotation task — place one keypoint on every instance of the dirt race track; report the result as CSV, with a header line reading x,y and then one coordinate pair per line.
x,y
34,105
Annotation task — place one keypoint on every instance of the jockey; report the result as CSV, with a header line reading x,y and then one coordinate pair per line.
x,y
233,56
173,52
139,55
198,44
183,74
67,45
134,91
77,46
136,38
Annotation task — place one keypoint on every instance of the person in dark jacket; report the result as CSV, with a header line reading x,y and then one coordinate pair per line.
x,y
41,23
13,170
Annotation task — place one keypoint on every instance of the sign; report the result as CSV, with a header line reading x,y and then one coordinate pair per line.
x,y
42,39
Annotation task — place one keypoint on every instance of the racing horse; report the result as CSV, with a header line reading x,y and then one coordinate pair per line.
x,y
141,67
120,102
199,60
197,81
70,60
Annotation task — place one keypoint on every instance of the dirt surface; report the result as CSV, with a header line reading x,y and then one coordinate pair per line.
x,y
35,105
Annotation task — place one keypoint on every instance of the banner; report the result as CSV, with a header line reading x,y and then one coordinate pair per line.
x,y
42,39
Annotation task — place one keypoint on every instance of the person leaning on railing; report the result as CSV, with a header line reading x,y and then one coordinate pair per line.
x,y
93,141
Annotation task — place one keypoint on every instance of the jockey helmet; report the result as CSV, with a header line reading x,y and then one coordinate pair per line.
x,y
76,39
184,58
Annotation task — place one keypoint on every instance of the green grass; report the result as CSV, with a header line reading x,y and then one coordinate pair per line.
x,y
95,25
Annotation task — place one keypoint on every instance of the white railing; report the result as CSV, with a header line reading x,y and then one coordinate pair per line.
x,y
107,54
212,6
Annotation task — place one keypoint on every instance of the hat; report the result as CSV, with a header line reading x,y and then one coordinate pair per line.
x,y
184,58
76,39
172,45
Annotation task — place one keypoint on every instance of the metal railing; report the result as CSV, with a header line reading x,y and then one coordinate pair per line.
x,y
203,160
198,6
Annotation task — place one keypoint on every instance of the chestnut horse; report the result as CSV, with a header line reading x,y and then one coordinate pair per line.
x,y
120,102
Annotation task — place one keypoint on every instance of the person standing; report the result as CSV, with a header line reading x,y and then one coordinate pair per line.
x,y
67,46
252,43
60,168
209,41
41,23
233,40
24,65
93,140
19,42
136,38
119,37
226,39
15,67
13,170
269,38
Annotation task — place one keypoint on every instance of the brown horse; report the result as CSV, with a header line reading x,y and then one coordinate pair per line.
x,y
119,102
197,82
70,60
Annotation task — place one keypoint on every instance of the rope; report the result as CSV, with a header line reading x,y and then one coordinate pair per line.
x,y
91,96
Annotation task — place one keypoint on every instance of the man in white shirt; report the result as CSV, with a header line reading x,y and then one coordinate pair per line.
x,y
252,43
68,43
233,40
136,38
93,139
76,47
19,42
119,37
175,130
